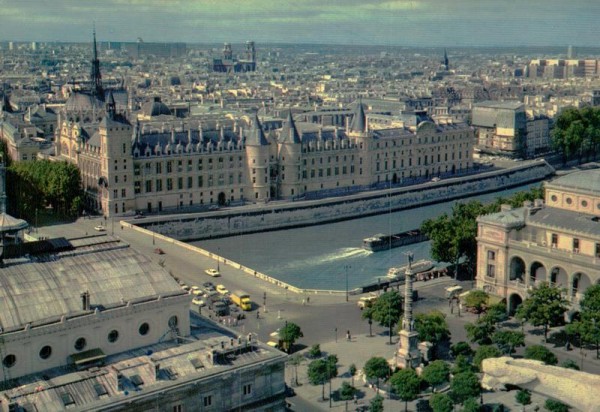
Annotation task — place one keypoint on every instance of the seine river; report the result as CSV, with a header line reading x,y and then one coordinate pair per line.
x,y
318,257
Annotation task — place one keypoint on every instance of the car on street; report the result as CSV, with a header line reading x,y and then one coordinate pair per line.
x,y
222,290
184,286
366,301
196,290
212,272
208,285
199,302
99,228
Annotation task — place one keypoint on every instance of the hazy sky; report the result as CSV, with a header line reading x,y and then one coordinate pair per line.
x,y
382,22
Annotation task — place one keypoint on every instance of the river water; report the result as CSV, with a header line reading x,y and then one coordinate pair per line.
x,y
325,256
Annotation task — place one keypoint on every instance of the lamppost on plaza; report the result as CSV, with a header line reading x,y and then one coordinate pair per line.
x,y
218,257
346,267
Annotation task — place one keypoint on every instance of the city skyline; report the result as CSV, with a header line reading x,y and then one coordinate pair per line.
x,y
431,23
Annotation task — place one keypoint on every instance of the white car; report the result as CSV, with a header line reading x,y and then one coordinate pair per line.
x,y
212,272
222,290
99,228
196,290
198,302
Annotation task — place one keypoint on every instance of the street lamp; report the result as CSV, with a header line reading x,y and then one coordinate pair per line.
x,y
218,257
346,267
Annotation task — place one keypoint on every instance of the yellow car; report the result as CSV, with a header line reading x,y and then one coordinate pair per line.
x,y
212,272
222,290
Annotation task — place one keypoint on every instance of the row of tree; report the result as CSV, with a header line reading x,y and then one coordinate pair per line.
x,y
453,236
36,185
576,133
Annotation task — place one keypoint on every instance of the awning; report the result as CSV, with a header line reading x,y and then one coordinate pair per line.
x,y
87,356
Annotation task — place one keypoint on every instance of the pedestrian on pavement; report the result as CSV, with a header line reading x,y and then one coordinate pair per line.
x,y
257,314
348,336
308,299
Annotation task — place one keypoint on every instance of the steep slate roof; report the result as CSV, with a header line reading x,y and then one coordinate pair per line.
x,y
289,133
359,121
256,136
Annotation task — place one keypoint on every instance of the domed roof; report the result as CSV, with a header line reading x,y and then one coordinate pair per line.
x,y
587,180
155,108
81,102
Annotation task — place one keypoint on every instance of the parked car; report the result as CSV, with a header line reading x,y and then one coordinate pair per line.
x,y
199,302
212,272
184,286
366,301
99,228
196,290
222,290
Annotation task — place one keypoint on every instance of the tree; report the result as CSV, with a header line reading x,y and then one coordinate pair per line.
x,y
347,392
508,340
495,314
471,405
555,406
588,327
289,334
461,348
314,351
432,327
352,371
406,384
462,364
570,364
477,301
440,402
545,306
480,332
436,373
377,368
318,374
387,310
541,353
376,404
367,314
463,386
523,397
485,352
295,361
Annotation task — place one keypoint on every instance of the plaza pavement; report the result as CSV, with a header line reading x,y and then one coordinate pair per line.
x,y
323,319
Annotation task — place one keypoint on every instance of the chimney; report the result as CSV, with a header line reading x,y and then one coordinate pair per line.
x,y
85,300
156,370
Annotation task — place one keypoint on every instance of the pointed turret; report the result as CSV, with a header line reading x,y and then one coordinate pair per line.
x,y
96,77
445,61
257,135
111,107
359,121
289,133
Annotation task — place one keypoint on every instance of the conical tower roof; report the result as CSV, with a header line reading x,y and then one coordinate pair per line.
x,y
359,121
256,136
289,133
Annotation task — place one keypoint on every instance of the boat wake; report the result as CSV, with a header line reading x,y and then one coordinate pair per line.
x,y
339,254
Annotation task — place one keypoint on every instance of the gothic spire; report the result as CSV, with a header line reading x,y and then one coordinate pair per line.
x,y
97,89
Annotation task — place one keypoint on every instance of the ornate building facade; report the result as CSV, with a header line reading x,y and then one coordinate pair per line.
x,y
556,241
139,167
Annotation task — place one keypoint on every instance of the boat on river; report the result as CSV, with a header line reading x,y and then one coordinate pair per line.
x,y
381,242
417,267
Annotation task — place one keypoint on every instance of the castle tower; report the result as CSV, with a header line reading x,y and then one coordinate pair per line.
x,y
408,355
257,155
290,151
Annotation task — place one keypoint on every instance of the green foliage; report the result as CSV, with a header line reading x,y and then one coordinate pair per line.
x,y
461,348
484,352
523,397
387,310
541,353
545,306
436,373
508,340
406,384
462,364
377,368
577,132
495,314
320,371
295,360
477,301
289,334
376,404
367,314
587,329
570,364
432,326
352,371
555,406
347,391
440,402
34,185
471,405
314,351
332,361
463,386
480,332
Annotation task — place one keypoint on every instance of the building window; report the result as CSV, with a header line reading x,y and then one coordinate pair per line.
x,y
158,168
173,322
554,240
597,249
576,245
115,193
144,329
247,389
80,344
584,203
178,408
159,185
9,361
123,192
45,352
180,183
169,167
169,184
569,200
491,271
491,255
113,336
207,400
148,186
